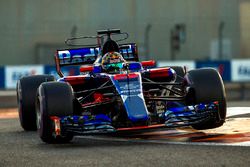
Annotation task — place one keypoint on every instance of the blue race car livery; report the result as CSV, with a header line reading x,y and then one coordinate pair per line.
x,y
116,92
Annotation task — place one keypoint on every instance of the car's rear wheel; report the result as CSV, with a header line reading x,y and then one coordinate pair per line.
x,y
26,97
206,86
54,99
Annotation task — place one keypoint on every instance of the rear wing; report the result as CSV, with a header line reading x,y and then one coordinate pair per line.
x,y
86,56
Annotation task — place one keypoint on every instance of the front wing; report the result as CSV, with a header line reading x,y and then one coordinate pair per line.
x,y
173,117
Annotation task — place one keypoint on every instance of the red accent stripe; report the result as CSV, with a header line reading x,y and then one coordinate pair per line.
x,y
125,76
57,125
149,63
54,118
96,102
216,102
75,80
86,68
158,73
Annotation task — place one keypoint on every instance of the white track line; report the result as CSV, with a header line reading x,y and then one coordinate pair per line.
x,y
234,111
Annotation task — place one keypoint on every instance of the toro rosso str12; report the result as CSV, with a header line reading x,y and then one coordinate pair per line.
x,y
116,92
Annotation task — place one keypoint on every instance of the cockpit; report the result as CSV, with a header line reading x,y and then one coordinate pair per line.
x,y
112,62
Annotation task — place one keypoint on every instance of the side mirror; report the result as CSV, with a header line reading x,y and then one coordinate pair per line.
x,y
84,69
97,69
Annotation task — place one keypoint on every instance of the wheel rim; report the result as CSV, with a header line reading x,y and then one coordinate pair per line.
x,y
19,101
38,114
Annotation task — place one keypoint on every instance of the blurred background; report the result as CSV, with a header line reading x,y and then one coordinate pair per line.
x,y
195,33
32,30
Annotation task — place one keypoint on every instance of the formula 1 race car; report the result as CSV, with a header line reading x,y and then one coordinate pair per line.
x,y
116,92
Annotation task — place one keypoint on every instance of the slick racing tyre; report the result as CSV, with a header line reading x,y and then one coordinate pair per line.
x,y
206,86
54,99
26,97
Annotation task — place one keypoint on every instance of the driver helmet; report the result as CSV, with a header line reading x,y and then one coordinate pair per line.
x,y
112,61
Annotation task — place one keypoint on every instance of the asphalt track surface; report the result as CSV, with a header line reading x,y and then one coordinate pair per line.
x,y
228,145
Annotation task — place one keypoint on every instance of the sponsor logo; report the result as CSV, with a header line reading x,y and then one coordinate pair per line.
x,y
241,70
14,73
244,70
130,91
75,56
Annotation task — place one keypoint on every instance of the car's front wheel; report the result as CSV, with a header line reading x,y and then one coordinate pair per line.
x,y
206,86
55,99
